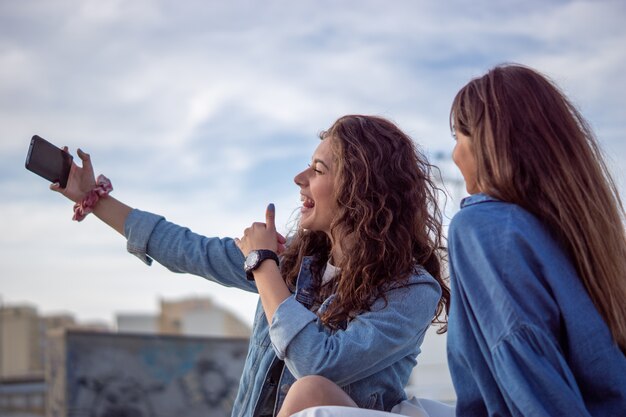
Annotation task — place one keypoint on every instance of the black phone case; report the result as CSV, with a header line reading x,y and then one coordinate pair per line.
x,y
48,161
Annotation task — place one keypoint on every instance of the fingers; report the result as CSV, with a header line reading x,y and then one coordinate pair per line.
x,y
56,187
280,243
84,156
262,235
280,248
270,217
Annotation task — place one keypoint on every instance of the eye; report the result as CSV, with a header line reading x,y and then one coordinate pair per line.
x,y
317,171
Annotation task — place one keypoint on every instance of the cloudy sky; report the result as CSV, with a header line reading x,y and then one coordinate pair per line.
x,y
204,110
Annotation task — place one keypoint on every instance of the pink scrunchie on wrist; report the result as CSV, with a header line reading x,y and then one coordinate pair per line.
x,y
85,206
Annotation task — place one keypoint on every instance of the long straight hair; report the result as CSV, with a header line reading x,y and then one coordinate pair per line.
x,y
534,149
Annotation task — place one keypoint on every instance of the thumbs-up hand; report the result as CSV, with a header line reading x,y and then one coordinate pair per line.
x,y
262,235
270,222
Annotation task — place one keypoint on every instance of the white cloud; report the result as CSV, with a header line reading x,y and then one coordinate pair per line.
x,y
205,111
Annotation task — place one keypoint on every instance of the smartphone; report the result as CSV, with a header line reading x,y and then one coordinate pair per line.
x,y
48,161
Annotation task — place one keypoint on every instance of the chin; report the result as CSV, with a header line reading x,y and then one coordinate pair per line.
x,y
307,222
308,227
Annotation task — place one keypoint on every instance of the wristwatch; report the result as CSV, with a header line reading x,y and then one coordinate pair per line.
x,y
255,258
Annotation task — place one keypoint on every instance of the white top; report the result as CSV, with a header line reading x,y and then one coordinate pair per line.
x,y
330,272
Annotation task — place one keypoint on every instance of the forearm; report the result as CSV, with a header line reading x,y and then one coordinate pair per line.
x,y
272,288
152,237
112,212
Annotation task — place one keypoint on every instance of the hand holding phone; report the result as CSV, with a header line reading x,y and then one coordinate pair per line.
x,y
75,182
48,161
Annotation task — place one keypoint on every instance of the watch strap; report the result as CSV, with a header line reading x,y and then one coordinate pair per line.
x,y
264,255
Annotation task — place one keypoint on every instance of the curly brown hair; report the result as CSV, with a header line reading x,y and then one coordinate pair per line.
x,y
388,219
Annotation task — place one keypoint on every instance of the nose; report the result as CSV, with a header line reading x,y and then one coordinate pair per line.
x,y
301,178
455,154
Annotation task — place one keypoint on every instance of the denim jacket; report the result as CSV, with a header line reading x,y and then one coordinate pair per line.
x,y
524,338
371,359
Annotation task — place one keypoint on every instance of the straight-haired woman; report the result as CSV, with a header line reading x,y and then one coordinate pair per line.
x,y
537,256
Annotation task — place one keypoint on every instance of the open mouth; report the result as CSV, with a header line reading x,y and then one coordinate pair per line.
x,y
307,203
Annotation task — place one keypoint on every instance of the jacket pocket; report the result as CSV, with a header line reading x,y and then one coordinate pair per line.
x,y
373,402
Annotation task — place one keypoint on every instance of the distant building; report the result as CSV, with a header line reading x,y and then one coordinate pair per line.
x,y
54,366
56,321
186,317
23,339
22,346
200,317
21,350
23,397
137,323
113,374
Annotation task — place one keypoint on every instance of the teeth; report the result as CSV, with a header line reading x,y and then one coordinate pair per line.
x,y
307,202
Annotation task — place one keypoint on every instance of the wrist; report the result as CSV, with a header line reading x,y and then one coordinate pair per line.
x,y
266,266
81,195
89,201
257,259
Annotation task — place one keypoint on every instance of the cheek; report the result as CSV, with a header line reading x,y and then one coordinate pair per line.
x,y
329,197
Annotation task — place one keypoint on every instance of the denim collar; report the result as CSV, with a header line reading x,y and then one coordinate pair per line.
x,y
477,199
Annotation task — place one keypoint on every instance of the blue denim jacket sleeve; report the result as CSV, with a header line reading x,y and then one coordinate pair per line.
x,y
371,341
523,335
150,236
534,376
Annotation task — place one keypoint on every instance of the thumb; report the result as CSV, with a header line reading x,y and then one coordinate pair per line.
x,y
270,217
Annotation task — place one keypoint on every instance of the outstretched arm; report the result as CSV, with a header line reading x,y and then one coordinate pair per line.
x,y
82,180
150,236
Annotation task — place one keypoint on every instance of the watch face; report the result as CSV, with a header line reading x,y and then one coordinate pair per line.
x,y
251,260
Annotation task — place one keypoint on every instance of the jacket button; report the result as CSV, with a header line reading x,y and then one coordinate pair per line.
x,y
284,389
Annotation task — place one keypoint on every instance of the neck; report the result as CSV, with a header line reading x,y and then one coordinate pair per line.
x,y
336,254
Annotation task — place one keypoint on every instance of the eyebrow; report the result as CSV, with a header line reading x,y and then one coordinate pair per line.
x,y
315,161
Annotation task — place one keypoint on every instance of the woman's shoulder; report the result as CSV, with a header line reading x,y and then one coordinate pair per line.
x,y
483,215
419,280
497,234
419,276
420,287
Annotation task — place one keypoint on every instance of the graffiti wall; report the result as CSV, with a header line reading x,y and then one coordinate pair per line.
x,y
128,375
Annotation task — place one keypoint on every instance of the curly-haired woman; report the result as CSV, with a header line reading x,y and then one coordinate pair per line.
x,y
351,294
